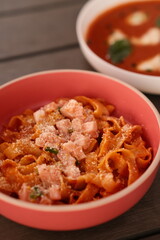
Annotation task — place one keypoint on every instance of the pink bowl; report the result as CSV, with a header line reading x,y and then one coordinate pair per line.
x,y
34,90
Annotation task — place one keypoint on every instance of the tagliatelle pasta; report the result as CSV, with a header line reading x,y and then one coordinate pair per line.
x,y
70,151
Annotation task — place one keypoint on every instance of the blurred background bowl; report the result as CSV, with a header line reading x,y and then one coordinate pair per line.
x,y
90,11
35,90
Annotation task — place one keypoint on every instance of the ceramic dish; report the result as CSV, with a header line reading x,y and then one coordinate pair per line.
x,y
88,13
35,90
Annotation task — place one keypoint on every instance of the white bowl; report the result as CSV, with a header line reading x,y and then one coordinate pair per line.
x,y
89,12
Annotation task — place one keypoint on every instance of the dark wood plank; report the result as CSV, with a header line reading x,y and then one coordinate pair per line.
x,y
38,31
11,5
64,58
154,237
155,99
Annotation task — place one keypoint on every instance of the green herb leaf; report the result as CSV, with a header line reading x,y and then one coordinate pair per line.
x,y
119,50
158,22
52,150
36,193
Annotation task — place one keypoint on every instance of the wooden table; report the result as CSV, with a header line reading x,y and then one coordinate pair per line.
x,y
38,35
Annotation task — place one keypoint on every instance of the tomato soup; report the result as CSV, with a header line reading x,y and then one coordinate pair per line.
x,y
128,36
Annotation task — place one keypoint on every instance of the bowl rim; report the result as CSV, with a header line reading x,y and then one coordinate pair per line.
x,y
101,202
81,39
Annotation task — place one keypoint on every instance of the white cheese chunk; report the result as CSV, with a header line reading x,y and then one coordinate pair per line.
x,y
116,36
151,37
137,18
152,64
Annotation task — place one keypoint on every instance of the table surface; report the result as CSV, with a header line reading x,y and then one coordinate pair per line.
x,y
37,35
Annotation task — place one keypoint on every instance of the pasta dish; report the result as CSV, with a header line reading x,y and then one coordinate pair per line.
x,y
70,151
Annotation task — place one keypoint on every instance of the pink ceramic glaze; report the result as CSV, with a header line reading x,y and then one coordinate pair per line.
x,y
35,90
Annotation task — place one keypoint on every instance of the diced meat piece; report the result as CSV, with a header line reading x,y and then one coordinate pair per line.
x,y
80,140
68,163
48,138
88,115
152,64
77,124
72,109
64,126
116,36
50,129
62,101
50,107
40,141
55,192
75,150
49,174
45,200
39,115
66,158
42,127
137,18
91,129
72,171
24,192
151,37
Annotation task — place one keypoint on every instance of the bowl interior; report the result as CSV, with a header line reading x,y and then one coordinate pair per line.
x,y
35,90
93,8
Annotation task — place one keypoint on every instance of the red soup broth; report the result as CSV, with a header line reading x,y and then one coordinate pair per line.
x,y
106,23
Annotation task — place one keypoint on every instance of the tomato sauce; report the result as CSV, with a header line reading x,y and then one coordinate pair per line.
x,y
105,24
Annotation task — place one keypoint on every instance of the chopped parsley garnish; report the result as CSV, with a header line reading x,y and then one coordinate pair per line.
x,y
51,150
36,193
119,50
158,22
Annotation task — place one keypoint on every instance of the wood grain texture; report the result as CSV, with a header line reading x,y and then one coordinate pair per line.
x,y
12,5
65,59
69,57
38,31
154,237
